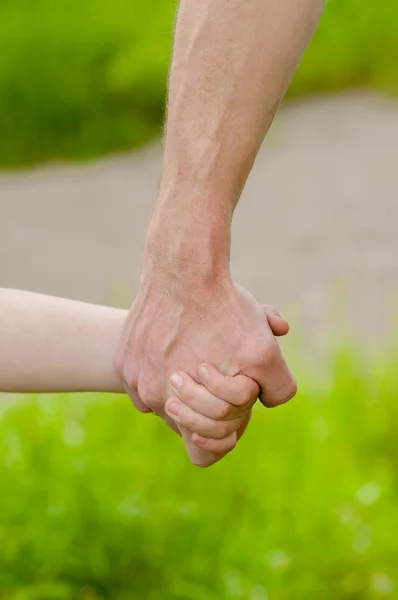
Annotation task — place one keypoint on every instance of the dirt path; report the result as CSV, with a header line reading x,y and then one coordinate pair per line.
x,y
316,232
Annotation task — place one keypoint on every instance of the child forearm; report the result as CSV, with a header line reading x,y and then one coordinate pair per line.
x,y
51,344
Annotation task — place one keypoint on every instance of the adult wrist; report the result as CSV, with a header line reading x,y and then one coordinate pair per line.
x,y
189,237
186,255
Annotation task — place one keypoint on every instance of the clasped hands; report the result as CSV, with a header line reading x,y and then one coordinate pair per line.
x,y
199,351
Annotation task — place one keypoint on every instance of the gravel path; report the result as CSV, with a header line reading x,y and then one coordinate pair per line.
x,y
316,232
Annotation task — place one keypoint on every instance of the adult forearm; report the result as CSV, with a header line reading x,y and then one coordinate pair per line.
x,y
52,344
232,62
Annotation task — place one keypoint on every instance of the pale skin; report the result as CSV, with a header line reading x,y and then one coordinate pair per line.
x,y
232,63
52,344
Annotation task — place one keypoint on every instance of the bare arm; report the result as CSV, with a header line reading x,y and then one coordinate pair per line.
x,y
53,345
232,62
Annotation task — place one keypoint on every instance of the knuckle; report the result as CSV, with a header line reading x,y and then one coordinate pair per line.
x,y
191,422
216,388
244,398
223,411
212,382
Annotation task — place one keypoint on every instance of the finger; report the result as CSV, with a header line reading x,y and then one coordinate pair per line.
x,y
199,457
219,447
241,391
276,381
222,447
278,396
278,325
186,417
217,407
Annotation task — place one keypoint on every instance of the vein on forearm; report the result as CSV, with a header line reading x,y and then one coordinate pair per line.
x,y
232,62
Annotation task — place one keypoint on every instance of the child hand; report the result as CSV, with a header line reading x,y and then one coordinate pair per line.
x,y
217,412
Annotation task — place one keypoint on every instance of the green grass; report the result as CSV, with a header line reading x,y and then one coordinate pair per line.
x,y
99,502
83,78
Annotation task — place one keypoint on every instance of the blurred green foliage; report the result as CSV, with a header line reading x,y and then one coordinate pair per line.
x,y
100,502
80,78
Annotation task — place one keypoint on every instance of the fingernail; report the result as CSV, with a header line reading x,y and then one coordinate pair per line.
x,y
173,408
176,381
203,372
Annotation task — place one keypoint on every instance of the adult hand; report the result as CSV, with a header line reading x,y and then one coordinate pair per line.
x,y
185,315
